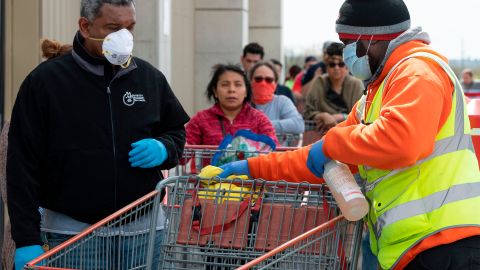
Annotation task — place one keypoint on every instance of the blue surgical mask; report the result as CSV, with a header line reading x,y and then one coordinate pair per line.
x,y
358,66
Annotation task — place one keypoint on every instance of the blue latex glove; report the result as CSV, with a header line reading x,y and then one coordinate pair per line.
x,y
317,159
147,153
25,254
235,168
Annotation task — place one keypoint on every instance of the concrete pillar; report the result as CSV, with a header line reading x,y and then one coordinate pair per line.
x,y
22,47
183,53
60,19
265,27
221,31
153,33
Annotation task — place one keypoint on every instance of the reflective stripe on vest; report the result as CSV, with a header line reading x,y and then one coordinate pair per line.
x,y
453,143
428,203
459,141
361,108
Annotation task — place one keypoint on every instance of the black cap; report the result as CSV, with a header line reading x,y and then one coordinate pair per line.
x,y
382,19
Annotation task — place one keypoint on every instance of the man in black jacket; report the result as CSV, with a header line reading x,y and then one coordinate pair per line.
x,y
90,132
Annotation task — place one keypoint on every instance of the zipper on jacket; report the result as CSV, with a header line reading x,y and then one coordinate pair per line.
x,y
115,173
114,147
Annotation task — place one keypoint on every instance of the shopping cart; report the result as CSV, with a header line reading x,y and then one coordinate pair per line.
x,y
311,133
124,240
215,224
290,139
225,223
195,157
334,234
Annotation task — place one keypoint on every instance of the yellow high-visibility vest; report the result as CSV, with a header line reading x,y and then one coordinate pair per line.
x,y
439,192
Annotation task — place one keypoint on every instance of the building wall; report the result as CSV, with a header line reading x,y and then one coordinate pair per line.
x,y
26,23
153,34
221,31
60,19
183,53
183,38
146,31
22,51
265,27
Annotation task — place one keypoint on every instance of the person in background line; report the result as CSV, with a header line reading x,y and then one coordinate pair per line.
x,y
230,89
279,109
252,53
90,132
315,70
297,85
292,73
410,138
281,89
52,48
468,83
334,94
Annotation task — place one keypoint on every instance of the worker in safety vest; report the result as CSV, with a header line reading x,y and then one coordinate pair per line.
x,y
410,138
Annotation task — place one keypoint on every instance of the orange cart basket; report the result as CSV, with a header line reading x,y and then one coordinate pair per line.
x,y
226,223
100,245
333,234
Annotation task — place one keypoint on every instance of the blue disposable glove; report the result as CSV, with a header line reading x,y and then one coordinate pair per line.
x,y
235,168
25,254
147,153
317,159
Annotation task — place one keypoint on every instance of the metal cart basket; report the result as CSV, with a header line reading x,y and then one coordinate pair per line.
x,y
225,223
123,240
216,224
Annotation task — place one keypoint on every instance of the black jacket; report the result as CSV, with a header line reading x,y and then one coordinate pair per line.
x,y
72,127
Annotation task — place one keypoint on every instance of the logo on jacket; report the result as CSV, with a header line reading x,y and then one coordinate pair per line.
x,y
129,99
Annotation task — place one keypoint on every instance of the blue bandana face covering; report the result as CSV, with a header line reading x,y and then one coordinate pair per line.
x,y
358,66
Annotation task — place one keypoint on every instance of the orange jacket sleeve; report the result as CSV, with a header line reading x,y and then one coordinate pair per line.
x,y
416,102
290,166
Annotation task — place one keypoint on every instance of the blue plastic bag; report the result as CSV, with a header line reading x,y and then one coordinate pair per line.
x,y
242,145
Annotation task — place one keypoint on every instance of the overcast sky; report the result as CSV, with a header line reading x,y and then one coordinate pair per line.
x,y
453,25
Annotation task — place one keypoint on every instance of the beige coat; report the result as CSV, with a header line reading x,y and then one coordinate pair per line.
x,y
316,101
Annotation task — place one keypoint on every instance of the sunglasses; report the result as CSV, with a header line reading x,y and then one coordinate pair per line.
x,y
332,65
259,79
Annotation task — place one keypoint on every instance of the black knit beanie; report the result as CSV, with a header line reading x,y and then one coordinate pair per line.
x,y
372,19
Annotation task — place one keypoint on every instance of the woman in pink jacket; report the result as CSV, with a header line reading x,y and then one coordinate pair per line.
x,y
230,90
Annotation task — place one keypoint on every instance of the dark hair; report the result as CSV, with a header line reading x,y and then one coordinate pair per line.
x,y
325,46
90,9
310,58
294,70
253,48
335,48
276,62
468,71
52,48
217,71
262,63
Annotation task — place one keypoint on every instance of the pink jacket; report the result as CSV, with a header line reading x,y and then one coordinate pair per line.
x,y
205,129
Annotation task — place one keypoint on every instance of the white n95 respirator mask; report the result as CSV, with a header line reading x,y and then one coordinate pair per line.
x,y
117,47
